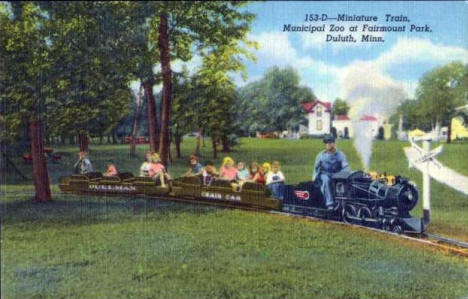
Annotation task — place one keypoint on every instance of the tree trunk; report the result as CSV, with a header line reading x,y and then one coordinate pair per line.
x,y
178,141
135,124
202,136
199,137
151,107
41,176
167,89
170,153
225,143
84,142
114,137
215,146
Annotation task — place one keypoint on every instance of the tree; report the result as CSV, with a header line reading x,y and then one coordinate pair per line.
x,y
440,92
217,25
91,93
25,72
274,102
182,108
136,123
340,107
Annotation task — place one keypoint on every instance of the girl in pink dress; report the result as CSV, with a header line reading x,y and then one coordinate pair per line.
x,y
227,170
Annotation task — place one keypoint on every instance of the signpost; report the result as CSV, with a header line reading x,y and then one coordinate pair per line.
x,y
427,156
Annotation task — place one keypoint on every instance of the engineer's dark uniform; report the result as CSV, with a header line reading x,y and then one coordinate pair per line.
x,y
327,164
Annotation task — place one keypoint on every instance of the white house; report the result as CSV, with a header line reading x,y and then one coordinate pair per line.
x,y
319,117
372,123
342,124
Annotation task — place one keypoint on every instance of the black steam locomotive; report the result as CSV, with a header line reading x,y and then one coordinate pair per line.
x,y
359,197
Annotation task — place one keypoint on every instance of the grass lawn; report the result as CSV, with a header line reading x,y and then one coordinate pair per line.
x,y
90,247
455,156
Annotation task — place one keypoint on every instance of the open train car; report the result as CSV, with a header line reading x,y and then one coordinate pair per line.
x,y
123,184
191,188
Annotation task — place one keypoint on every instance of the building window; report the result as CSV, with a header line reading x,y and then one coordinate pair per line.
x,y
319,111
319,125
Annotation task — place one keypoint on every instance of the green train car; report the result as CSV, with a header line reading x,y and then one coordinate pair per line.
x,y
185,188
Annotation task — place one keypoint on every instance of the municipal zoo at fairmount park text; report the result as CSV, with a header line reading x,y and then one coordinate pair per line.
x,y
346,28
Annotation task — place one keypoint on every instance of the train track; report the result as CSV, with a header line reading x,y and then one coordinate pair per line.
x,y
445,244
452,246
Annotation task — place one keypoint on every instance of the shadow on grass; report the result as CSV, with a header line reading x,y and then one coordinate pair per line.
x,y
74,209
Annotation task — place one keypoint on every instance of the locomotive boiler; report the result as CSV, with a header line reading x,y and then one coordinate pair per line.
x,y
359,199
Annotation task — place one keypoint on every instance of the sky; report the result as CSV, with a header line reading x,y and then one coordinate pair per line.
x,y
327,67
340,69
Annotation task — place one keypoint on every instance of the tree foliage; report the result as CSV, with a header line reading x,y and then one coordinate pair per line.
x,y
439,93
273,102
340,107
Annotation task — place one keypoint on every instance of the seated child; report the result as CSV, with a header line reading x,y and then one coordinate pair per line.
x,y
157,171
195,167
243,173
83,165
209,173
144,168
227,170
274,179
111,169
256,175
266,167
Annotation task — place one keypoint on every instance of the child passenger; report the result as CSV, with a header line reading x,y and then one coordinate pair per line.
x,y
256,175
227,170
195,167
266,167
243,173
157,171
83,165
144,168
274,179
209,173
111,169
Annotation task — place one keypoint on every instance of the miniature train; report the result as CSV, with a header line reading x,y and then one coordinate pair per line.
x,y
360,198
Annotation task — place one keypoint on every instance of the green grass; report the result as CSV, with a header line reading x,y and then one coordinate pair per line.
x,y
114,248
90,247
455,156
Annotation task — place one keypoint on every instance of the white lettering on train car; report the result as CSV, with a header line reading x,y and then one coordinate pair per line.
x,y
96,187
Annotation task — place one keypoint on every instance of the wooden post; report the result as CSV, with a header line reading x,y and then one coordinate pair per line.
x,y
426,185
40,174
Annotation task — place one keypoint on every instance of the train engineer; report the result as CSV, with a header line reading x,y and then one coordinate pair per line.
x,y
327,163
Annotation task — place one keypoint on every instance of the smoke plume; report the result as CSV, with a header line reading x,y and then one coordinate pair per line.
x,y
368,91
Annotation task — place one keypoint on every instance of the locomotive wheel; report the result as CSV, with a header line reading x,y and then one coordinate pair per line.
x,y
365,213
397,229
348,214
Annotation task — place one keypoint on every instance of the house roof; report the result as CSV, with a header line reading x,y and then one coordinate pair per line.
x,y
342,117
368,118
309,106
